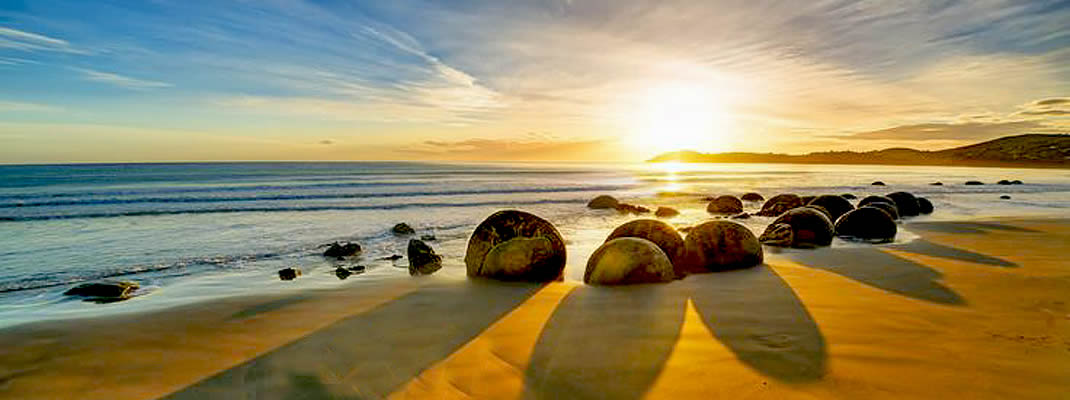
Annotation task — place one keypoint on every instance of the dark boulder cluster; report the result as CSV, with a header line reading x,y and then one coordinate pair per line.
x,y
289,274
342,250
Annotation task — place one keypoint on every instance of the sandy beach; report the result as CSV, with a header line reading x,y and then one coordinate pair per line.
x,y
969,310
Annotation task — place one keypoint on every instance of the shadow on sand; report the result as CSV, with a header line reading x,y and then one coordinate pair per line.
x,y
371,354
613,342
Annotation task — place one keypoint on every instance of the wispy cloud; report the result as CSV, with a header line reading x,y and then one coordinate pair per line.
x,y
121,80
16,106
28,41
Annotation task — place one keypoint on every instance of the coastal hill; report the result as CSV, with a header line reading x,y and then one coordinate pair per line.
x,y
1030,150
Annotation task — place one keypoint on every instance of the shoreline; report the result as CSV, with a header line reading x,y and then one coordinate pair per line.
x,y
955,298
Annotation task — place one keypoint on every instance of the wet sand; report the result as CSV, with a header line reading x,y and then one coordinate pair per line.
x,y
969,310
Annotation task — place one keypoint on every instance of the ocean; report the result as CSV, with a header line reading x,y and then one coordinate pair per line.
x,y
200,231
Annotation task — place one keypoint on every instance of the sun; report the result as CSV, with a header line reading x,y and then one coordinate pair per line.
x,y
679,116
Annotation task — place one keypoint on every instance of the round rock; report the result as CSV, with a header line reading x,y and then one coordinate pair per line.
x,y
836,205
799,228
661,234
925,206
721,245
628,260
515,245
868,224
603,202
725,205
779,204
666,212
906,203
752,196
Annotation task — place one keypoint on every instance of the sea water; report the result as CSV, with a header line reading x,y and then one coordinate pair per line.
x,y
194,232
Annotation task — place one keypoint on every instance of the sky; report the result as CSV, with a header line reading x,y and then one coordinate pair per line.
x,y
588,80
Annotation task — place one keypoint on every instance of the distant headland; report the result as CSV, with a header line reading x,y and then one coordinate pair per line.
x,y
1030,151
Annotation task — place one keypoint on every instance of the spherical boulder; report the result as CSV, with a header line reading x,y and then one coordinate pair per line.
x,y
974,183
779,204
752,196
422,258
1005,197
906,203
725,205
603,202
515,245
661,234
628,260
877,183
872,199
836,205
721,245
925,206
823,210
666,212
802,228
937,184
887,207
868,224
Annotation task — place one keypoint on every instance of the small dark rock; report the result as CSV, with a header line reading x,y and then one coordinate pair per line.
x,y
402,229
1003,182
741,216
925,206
666,212
867,223
877,183
356,269
1016,182
779,204
937,184
110,290
342,273
394,257
603,202
974,183
342,249
631,209
422,258
752,197
848,196
1005,197
725,205
289,274
428,238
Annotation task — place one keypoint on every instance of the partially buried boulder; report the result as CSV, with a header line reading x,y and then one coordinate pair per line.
x,y
666,212
799,228
906,203
752,197
877,183
342,249
887,207
848,196
937,184
721,245
873,199
1003,182
725,205
868,224
402,229
836,205
1005,197
974,183
289,274
628,260
603,202
422,258
631,209
661,234
515,245
925,206
779,204
104,290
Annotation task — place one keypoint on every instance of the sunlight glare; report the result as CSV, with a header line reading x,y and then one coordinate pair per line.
x,y
678,116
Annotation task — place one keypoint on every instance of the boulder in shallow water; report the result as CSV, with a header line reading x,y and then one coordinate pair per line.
x,y
1003,182
779,204
937,184
517,246
905,202
836,205
430,237
422,258
848,196
661,234
721,245
874,199
666,212
725,205
867,223
1016,182
104,290
752,197
342,249
974,183
877,183
631,209
289,274
925,206
741,216
603,202
1005,197
628,260
887,207
799,228
402,229
393,257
